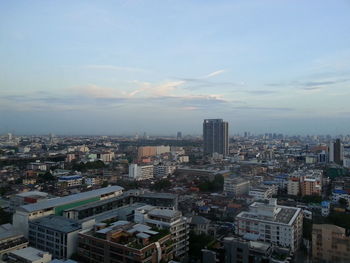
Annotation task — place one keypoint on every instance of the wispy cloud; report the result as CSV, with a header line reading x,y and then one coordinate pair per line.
x,y
215,73
115,68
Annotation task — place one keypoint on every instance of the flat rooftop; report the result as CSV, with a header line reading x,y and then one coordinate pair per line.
x,y
69,199
30,253
32,193
57,223
159,195
285,215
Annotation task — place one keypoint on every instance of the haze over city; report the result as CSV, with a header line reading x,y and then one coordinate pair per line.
x,y
121,67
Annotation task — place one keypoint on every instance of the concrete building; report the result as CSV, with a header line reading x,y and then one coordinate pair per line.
x,y
325,208
215,136
310,186
263,192
330,244
26,198
236,186
140,172
57,206
123,241
10,239
272,223
336,152
29,255
163,170
146,151
166,219
293,187
199,225
56,234
70,180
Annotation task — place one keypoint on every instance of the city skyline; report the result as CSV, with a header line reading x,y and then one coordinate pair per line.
x,y
130,66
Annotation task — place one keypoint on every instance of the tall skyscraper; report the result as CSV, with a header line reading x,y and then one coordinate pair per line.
x,y
215,136
179,135
336,152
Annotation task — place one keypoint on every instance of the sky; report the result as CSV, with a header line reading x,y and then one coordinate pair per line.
x,y
121,67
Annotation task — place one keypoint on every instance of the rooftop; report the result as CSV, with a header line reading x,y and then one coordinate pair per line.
x,y
69,199
57,223
30,253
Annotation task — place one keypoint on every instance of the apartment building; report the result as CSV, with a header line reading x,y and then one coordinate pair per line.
x,y
55,234
263,192
140,172
272,223
166,219
330,244
236,186
124,241
293,187
70,180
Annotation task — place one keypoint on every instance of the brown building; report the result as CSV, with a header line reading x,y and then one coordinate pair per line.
x,y
146,151
330,244
123,241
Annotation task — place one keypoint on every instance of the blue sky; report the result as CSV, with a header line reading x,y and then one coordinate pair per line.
x,y
119,67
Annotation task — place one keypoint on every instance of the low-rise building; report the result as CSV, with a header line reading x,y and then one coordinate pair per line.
x,y
70,180
10,239
29,255
25,198
56,206
236,186
123,241
166,219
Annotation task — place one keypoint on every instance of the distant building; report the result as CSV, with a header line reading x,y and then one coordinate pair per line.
x,y
26,198
330,244
263,192
293,187
215,136
236,186
325,208
140,172
272,223
179,135
336,152
70,180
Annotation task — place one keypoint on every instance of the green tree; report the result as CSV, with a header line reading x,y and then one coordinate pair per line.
x,y
161,185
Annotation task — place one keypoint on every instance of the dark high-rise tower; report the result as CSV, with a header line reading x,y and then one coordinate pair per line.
x,y
215,136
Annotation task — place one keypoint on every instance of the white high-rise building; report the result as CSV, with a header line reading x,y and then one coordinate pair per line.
x,y
140,172
272,223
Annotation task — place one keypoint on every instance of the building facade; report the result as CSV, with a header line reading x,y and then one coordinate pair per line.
x,y
330,244
215,136
272,223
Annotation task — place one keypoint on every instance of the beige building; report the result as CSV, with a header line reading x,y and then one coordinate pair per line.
x,y
330,244
293,187
146,151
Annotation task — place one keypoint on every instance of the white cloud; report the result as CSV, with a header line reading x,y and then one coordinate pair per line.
x,y
215,73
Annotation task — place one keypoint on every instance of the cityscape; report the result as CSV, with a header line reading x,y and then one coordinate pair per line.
x,y
165,131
